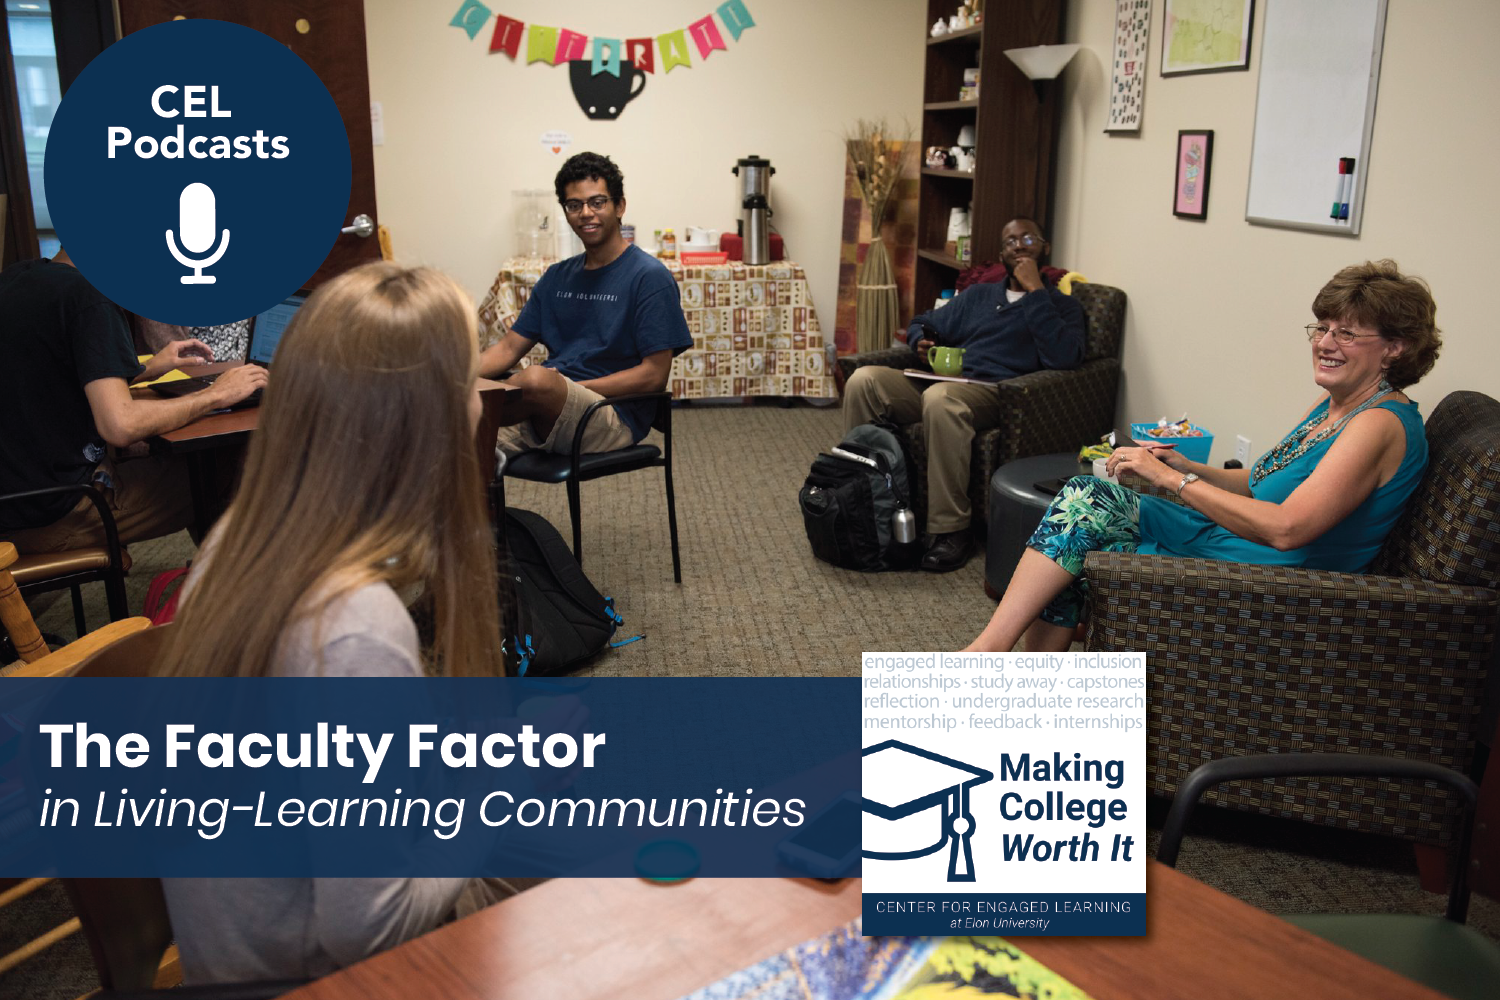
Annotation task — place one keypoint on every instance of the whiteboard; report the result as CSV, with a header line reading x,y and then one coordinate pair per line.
x,y
1319,71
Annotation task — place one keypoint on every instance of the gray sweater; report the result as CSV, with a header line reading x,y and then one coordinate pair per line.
x,y
235,930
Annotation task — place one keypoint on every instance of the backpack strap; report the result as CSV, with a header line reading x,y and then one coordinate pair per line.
x,y
615,622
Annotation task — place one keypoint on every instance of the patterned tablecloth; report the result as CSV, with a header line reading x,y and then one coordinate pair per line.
x,y
754,329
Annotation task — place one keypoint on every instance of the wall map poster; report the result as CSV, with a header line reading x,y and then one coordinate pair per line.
x,y
1127,78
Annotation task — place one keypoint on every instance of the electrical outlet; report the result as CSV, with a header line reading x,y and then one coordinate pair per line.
x,y
1242,449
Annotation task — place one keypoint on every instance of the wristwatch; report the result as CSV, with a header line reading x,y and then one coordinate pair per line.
x,y
1191,477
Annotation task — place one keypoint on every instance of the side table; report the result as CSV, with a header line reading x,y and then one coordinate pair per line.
x,y
1016,508
755,332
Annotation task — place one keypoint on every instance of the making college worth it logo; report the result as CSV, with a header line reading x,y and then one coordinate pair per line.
x,y
197,172
1003,793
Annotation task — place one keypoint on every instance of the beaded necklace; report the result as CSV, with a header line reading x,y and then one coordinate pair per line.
x,y
1301,440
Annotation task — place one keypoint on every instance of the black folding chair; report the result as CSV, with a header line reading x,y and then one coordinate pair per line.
x,y
577,466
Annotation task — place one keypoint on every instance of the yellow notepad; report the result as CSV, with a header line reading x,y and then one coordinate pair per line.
x,y
175,375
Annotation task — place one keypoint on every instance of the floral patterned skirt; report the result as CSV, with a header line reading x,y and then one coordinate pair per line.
x,y
1089,515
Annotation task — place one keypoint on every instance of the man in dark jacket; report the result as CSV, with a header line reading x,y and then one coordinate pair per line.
x,y
1020,326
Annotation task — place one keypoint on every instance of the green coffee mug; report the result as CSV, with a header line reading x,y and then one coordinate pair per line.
x,y
946,360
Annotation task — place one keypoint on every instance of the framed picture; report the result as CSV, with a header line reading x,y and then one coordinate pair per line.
x,y
1195,151
1205,36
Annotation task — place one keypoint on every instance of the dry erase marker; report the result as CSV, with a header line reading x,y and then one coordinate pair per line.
x,y
1348,189
1338,189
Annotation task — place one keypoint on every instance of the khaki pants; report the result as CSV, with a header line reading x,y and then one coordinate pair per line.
x,y
151,497
950,413
606,431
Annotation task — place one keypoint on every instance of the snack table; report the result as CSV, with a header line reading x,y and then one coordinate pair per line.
x,y
754,329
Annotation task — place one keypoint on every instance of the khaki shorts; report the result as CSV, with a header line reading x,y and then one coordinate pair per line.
x,y
151,497
606,431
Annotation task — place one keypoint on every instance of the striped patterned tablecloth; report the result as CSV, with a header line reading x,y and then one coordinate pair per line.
x,y
754,329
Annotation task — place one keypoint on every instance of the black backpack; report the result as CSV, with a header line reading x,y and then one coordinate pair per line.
x,y
560,620
849,502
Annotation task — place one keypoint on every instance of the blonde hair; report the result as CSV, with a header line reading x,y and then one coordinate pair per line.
x,y
362,470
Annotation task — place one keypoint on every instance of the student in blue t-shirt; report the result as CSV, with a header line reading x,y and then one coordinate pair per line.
x,y
610,318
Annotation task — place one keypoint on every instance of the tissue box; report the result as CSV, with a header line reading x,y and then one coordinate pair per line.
x,y
1192,448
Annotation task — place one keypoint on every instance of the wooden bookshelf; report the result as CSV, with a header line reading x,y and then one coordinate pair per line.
x,y
1015,124
942,259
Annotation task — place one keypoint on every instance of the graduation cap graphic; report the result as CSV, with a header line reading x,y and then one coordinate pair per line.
x,y
922,794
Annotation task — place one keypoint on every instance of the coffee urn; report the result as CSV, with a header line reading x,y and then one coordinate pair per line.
x,y
755,182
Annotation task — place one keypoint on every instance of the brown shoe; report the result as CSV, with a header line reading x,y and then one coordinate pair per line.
x,y
948,552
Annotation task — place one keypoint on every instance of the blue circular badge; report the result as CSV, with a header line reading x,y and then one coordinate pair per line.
x,y
197,172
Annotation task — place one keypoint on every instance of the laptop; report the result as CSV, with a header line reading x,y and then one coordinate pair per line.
x,y
265,333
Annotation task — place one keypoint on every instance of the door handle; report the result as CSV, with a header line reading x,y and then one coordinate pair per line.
x,y
362,226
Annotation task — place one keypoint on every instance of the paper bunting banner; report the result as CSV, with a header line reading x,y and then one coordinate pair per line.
x,y
507,36
570,46
735,17
640,52
541,44
706,36
555,46
471,17
674,51
606,63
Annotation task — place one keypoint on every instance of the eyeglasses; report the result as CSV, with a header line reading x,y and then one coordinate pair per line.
x,y
573,206
1317,331
1023,241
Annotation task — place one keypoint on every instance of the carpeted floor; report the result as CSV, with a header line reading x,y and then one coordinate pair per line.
x,y
754,601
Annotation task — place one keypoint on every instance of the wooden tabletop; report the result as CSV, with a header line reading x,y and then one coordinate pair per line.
x,y
605,938
617,938
1201,942
216,429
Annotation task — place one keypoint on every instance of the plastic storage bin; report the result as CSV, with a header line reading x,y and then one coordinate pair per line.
x,y
1195,449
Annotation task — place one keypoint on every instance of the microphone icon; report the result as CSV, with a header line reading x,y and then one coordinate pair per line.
x,y
197,220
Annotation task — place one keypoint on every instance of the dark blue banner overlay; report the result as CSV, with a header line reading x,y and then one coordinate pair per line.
x,y
1061,914
399,777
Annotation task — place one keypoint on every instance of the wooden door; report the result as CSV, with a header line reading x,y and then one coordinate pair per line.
x,y
328,35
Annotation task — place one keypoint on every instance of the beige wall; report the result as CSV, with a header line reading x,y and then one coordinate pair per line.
x,y
463,127
1216,307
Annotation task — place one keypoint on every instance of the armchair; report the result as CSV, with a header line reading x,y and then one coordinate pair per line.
x,y
1045,412
1261,659
71,569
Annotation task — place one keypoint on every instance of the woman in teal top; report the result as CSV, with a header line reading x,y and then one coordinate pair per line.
x,y
1324,498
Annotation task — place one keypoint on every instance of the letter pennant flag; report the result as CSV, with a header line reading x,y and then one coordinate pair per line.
x,y
674,51
507,36
471,17
640,52
735,17
570,46
606,57
541,45
706,36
